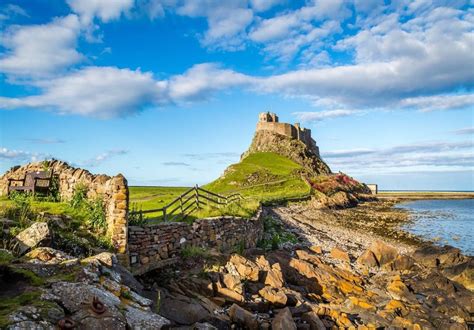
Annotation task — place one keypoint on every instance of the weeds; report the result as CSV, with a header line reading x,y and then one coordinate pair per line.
x,y
194,252
21,210
275,236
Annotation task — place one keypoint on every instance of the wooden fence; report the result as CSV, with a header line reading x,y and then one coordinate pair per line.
x,y
188,202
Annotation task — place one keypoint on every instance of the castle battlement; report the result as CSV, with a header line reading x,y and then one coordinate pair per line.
x,y
268,121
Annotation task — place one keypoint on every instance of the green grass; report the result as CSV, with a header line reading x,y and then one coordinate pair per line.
x,y
260,177
149,198
263,176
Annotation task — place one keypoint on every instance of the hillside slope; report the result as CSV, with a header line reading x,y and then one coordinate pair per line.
x,y
263,175
298,152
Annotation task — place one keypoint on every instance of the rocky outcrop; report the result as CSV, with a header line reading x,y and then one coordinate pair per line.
x,y
35,235
297,151
91,296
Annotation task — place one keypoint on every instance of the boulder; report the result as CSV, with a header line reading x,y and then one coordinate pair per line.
x,y
48,256
339,254
243,317
245,268
38,234
274,296
378,254
316,249
284,320
183,310
232,282
313,320
274,276
139,319
434,256
401,263
104,258
462,273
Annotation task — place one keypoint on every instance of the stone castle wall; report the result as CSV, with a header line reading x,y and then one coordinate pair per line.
x,y
155,246
112,190
269,122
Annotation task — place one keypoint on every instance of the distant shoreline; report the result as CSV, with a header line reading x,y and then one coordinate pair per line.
x,y
420,195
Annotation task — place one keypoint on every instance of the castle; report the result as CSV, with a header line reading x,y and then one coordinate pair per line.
x,y
268,121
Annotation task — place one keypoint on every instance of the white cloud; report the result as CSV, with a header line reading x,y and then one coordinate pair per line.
x,y
20,156
10,11
322,115
439,102
106,10
102,92
462,131
421,156
263,5
36,50
201,80
227,21
103,157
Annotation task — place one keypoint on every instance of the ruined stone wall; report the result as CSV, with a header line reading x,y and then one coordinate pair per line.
x,y
155,246
112,190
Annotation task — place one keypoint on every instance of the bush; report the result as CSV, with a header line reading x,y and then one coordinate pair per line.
x,y
21,209
79,196
331,184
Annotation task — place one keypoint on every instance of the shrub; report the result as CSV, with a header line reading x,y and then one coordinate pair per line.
x,y
331,184
96,214
194,252
79,196
21,209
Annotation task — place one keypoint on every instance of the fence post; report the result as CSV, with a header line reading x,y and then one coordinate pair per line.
x,y
197,196
164,214
181,204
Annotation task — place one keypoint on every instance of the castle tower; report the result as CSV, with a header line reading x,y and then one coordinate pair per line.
x,y
268,117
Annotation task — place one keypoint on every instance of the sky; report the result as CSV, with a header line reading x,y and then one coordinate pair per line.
x,y
168,92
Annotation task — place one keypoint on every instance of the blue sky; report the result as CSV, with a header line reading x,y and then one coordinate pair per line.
x,y
168,92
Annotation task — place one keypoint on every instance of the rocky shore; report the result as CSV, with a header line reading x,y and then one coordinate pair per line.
x,y
316,268
343,270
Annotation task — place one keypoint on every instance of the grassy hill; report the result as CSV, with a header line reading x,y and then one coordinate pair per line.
x,y
263,176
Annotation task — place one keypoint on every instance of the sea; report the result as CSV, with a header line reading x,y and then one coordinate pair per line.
x,y
448,221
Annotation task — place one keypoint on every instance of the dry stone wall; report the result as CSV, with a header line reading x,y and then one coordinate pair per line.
x,y
155,246
112,190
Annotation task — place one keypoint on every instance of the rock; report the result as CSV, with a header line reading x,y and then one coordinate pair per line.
x,y
262,263
245,268
313,320
104,258
230,295
274,296
434,256
401,263
368,259
78,298
462,273
378,254
316,249
243,317
48,256
284,320
37,234
398,290
337,253
183,310
362,303
232,282
341,200
274,276
138,319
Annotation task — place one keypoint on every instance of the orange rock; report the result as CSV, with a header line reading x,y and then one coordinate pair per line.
x,y
274,296
316,249
274,276
339,254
